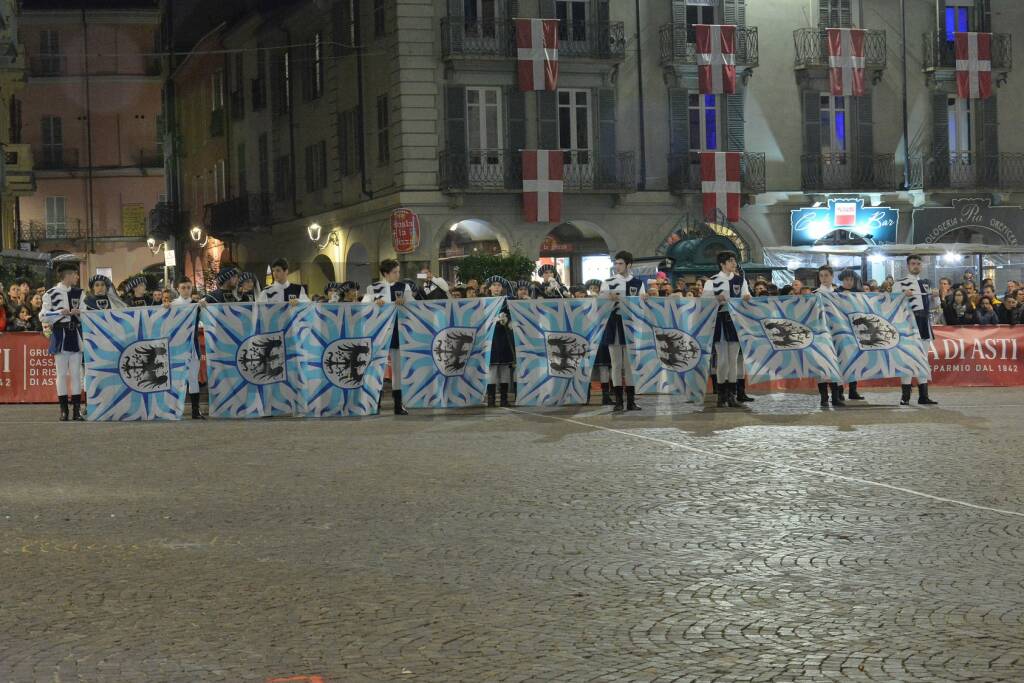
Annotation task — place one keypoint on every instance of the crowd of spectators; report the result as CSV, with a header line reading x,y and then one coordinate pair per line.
x,y
19,307
963,304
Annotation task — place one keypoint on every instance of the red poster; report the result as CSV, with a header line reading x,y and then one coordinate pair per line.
x,y
405,231
27,370
989,356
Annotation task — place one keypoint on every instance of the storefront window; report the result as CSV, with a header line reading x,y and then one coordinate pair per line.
x,y
597,267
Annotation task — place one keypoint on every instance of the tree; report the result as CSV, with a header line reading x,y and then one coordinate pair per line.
x,y
514,266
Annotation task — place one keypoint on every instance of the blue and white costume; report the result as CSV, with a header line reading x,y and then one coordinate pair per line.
x,y
388,293
614,332
193,362
920,304
278,293
66,340
727,341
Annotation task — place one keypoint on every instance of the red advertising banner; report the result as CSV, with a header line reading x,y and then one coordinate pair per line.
x,y
405,231
982,356
27,370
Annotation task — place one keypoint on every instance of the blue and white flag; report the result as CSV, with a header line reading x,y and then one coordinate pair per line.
x,y
136,362
556,342
343,350
875,336
671,339
785,337
446,351
251,359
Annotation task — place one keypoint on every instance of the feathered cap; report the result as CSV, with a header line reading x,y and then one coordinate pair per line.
x,y
247,277
547,268
338,287
101,278
349,286
500,280
226,274
592,283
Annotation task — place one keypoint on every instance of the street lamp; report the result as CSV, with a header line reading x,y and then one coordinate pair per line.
x,y
313,231
196,232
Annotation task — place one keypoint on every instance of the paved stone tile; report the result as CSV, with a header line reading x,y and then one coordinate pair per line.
x,y
779,543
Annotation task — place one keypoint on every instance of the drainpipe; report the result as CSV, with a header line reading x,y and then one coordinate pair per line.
x,y
360,124
291,120
906,123
640,102
88,130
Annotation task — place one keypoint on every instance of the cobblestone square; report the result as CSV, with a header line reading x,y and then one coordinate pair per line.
x,y
779,543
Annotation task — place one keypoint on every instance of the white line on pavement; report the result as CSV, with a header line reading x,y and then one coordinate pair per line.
x,y
768,463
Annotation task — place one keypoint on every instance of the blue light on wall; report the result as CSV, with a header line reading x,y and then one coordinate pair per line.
x,y
876,224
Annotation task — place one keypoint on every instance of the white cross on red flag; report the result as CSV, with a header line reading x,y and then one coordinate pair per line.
x,y
720,183
846,61
973,65
542,186
716,59
537,54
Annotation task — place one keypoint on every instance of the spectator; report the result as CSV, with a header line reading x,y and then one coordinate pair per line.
x,y
760,288
989,292
786,291
25,321
945,289
458,292
797,287
773,289
652,290
13,300
959,310
666,289
471,291
1009,311
972,293
872,286
36,303
3,311
886,287
986,314
1011,287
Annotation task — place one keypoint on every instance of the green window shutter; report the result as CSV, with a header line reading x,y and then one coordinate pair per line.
x,y
863,121
987,159
735,12
547,119
735,137
515,138
811,162
679,137
938,166
455,120
606,140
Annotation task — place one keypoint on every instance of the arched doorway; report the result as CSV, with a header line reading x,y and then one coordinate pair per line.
x,y
578,252
357,265
321,273
468,237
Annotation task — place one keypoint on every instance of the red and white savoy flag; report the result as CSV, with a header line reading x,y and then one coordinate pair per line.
x,y
720,183
973,65
716,59
846,61
542,186
537,52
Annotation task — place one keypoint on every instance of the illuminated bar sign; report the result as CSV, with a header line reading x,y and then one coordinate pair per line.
x,y
876,224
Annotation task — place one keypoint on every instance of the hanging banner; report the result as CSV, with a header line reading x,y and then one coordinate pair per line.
x,y
556,341
875,336
342,352
28,373
671,340
136,362
251,359
405,231
977,356
784,337
446,351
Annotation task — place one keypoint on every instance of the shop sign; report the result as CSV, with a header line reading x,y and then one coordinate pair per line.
x,y
932,224
876,224
405,231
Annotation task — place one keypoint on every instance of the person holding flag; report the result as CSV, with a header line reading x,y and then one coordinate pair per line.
x,y
622,284
727,284
919,294
503,347
61,311
385,291
282,290
826,287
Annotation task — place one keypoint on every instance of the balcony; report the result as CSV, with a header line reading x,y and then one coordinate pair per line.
x,y
239,214
679,46
967,170
19,177
849,172
684,173
70,229
496,38
50,158
216,123
812,49
501,171
462,37
940,53
237,103
48,65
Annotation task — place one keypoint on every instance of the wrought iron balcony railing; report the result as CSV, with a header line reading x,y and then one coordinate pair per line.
x,y
812,48
967,170
38,231
48,65
679,45
148,158
237,214
841,172
684,172
501,170
54,157
496,38
940,53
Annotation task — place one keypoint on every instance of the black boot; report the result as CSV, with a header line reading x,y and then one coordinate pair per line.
x,y
399,408
905,394
503,391
723,395
741,391
823,392
619,405
631,399
76,408
63,408
490,396
730,395
837,395
714,384
922,396
196,415
606,394
854,396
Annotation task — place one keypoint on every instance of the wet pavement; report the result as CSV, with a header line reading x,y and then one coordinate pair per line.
x,y
778,543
